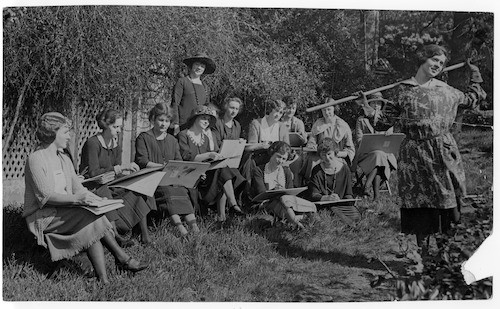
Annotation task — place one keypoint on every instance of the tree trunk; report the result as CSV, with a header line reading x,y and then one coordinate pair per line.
x,y
460,50
20,102
370,37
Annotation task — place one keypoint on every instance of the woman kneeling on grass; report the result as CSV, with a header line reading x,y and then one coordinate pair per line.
x,y
155,148
52,198
274,175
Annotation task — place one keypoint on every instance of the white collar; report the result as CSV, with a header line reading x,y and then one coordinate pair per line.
x,y
114,142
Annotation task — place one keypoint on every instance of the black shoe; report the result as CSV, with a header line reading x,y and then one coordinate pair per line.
x,y
124,243
127,266
236,210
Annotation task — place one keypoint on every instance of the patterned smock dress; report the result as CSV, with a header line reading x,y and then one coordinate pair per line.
x,y
431,175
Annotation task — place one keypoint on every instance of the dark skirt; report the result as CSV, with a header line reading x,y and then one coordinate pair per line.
x,y
427,221
137,207
212,188
174,199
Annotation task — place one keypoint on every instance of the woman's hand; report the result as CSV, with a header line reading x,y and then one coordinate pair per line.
x,y
362,101
133,167
215,156
475,75
265,145
203,177
177,129
86,198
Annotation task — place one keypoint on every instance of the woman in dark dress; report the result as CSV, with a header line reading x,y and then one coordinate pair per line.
x,y
101,155
155,148
220,184
431,176
189,92
228,127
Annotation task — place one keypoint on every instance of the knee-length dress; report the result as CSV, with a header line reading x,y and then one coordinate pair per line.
x,y
278,206
177,200
376,158
65,230
212,188
100,159
430,173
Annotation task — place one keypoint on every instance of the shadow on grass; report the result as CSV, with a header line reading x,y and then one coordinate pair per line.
x,y
287,248
20,247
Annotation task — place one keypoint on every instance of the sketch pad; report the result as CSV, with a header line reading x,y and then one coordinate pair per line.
x,y
295,139
269,194
183,173
385,143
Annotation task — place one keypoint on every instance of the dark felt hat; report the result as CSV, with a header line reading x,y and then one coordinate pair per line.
x,y
203,58
203,110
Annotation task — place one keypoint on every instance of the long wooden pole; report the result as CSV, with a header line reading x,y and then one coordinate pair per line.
x,y
353,97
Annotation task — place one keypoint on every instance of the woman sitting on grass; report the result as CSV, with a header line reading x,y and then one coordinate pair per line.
x,y
272,176
332,126
52,198
101,155
220,184
331,179
155,148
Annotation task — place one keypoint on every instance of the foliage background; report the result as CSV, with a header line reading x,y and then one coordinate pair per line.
x,y
64,56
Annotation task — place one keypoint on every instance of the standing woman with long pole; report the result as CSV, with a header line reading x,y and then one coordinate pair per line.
x,y
430,175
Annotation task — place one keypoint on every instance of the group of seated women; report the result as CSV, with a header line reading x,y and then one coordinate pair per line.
x,y
191,131
53,188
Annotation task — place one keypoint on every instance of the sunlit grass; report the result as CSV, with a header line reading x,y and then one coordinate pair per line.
x,y
247,260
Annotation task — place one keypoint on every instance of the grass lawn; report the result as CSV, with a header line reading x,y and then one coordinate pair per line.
x,y
248,260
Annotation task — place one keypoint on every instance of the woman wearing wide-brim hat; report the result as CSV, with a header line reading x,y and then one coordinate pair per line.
x,y
189,92
220,184
376,165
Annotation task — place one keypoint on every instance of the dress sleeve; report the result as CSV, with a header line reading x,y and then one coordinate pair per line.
x,y
314,186
359,129
177,94
302,129
91,150
472,96
141,151
349,145
348,176
177,150
37,175
284,136
253,132
185,149
258,184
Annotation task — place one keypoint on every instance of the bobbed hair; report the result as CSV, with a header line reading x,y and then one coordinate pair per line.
x,y
158,110
107,117
326,145
289,101
274,104
336,108
280,147
49,124
429,51
232,99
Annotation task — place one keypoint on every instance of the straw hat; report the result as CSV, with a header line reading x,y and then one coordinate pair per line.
x,y
377,96
203,58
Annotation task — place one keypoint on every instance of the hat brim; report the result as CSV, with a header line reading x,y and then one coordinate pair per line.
x,y
192,119
384,101
209,63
